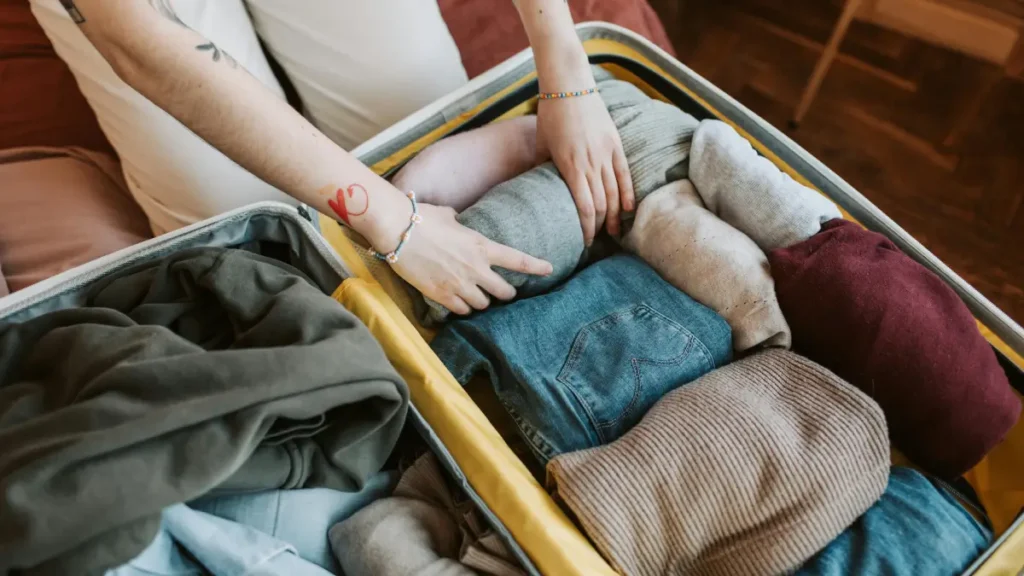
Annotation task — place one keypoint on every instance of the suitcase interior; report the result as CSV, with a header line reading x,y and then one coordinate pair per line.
x,y
278,230
552,542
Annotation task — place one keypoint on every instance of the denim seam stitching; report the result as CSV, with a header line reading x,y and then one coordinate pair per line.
x,y
963,501
579,345
638,388
545,451
577,349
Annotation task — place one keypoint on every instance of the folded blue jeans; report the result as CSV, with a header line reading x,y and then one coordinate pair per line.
x,y
579,366
917,527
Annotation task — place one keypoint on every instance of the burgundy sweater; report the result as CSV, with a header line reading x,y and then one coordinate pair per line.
x,y
886,324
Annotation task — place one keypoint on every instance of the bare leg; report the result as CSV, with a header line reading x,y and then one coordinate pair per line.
x,y
458,170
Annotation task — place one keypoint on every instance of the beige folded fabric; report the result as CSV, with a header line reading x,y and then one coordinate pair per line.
x,y
751,469
421,530
712,262
752,194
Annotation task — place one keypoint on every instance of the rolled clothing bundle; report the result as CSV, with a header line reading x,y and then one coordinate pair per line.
x,y
421,530
208,369
752,194
535,212
804,455
917,527
886,324
714,263
579,366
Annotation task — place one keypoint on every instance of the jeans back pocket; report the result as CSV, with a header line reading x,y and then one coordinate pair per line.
x,y
621,365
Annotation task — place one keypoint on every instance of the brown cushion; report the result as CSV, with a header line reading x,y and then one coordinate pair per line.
x,y
40,104
59,208
489,32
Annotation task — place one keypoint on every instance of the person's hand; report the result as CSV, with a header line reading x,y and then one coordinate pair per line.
x,y
581,139
451,264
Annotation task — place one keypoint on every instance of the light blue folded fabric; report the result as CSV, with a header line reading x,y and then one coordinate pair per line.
x,y
163,557
273,533
917,527
299,517
219,547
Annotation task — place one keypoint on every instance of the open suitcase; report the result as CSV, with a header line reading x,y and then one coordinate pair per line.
x,y
553,544
278,225
538,533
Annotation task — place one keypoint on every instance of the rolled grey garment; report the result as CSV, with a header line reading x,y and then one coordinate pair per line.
x,y
712,262
535,212
752,194
656,136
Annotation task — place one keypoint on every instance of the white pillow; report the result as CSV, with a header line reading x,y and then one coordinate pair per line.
x,y
173,174
360,65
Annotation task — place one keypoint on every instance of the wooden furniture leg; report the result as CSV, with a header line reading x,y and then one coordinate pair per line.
x,y
1013,67
825,61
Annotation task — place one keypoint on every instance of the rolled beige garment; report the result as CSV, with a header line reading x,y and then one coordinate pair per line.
x,y
712,262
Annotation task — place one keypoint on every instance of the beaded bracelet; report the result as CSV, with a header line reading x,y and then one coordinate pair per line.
x,y
553,95
414,219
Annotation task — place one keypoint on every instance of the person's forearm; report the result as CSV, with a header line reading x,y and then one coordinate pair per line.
x,y
561,61
202,86
459,169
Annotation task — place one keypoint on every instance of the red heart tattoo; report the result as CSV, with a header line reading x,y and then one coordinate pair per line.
x,y
340,205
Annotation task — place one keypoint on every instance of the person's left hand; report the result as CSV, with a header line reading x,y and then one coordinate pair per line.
x,y
581,139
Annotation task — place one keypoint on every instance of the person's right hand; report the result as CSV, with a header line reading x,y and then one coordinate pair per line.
x,y
451,264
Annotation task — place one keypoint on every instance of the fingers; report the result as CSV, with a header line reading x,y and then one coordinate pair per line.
x,y
497,286
516,261
600,199
580,189
611,190
475,297
624,179
455,304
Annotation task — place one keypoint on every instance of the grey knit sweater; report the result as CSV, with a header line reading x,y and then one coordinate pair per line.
x,y
535,212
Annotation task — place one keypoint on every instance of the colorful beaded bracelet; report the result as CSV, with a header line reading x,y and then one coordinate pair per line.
x,y
414,219
553,95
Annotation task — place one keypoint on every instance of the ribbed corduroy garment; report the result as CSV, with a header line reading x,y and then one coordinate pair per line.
x,y
751,469
714,263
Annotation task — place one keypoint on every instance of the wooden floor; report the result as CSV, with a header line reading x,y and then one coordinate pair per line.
x,y
881,122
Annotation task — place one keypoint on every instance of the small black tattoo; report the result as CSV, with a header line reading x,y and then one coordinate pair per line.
x,y
76,16
217,53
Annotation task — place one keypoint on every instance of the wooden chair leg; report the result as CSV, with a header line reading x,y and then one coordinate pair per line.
x,y
969,114
965,120
825,61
